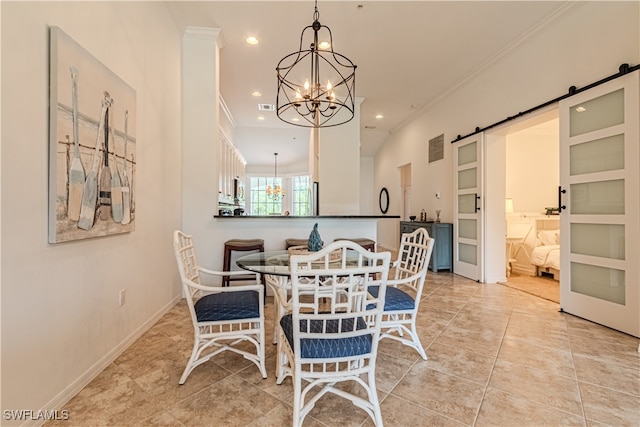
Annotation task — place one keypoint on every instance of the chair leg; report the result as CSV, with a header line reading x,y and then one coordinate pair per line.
x,y
261,355
373,398
297,401
191,364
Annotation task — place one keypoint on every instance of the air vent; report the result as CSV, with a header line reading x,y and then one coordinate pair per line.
x,y
266,107
369,127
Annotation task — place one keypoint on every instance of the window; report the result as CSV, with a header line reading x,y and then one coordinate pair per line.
x,y
260,203
301,196
297,199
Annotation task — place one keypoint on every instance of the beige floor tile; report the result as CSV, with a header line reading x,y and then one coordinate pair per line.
x,y
608,351
233,399
608,375
390,370
461,362
610,407
400,413
448,395
523,352
504,409
537,385
479,340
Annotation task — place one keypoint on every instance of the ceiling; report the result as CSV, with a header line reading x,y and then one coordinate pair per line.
x,y
409,54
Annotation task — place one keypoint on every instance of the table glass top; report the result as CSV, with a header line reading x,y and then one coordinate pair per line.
x,y
276,262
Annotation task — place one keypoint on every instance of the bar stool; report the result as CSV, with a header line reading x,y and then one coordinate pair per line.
x,y
368,244
239,245
296,242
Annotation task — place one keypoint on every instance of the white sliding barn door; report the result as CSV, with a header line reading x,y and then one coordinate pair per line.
x,y
599,199
468,208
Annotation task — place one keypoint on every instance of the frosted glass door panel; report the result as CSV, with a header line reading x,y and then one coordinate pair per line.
x,y
599,155
599,282
467,203
467,154
600,197
598,113
601,240
467,229
468,253
467,178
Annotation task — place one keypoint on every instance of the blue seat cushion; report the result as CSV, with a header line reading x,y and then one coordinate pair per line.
x,y
395,299
323,348
228,306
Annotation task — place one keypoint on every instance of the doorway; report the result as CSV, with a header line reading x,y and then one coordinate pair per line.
x,y
522,164
532,174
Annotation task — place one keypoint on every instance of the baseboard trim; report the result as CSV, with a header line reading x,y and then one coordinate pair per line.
x,y
90,374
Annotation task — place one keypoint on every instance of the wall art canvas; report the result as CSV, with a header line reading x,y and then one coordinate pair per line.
x,y
92,145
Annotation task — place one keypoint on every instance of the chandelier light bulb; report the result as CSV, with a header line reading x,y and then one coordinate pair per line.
x,y
329,85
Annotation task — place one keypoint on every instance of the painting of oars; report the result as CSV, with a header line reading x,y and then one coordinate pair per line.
x,y
126,194
116,188
105,174
76,170
90,192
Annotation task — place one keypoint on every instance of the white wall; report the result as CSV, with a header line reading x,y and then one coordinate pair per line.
x,y
368,194
586,43
533,169
61,322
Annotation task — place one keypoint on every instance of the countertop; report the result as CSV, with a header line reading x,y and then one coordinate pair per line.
x,y
289,217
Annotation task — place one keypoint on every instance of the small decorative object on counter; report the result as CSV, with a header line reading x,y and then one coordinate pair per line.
x,y
437,215
412,218
423,216
315,242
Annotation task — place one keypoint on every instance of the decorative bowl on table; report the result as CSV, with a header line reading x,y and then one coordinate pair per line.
x,y
412,218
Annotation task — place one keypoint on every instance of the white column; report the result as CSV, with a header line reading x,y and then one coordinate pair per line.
x,y
200,128
339,167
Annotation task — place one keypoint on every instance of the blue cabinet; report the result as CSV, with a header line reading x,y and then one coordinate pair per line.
x,y
442,255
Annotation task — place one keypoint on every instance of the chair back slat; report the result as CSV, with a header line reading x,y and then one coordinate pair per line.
x,y
413,258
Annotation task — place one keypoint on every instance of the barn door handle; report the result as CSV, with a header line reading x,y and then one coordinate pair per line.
x,y
560,205
476,202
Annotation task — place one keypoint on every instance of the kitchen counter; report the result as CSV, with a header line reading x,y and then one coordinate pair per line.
x,y
307,217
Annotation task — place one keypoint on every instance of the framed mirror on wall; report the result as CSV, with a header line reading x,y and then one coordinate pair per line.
x,y
383,200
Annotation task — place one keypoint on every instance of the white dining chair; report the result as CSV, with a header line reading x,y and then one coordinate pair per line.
x,y
404,290
331,334
222,317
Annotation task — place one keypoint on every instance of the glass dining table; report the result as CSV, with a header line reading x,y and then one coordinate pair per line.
x,y
274,266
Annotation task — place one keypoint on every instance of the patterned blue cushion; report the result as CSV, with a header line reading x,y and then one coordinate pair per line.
x,y
395,299
228,306
312,348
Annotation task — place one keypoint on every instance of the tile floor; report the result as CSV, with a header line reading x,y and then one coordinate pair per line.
x,y
497,357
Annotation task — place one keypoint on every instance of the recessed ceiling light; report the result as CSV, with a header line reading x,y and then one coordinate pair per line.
x,y
295,119
324,45
256,93
252,40
260,118
379,116
581,109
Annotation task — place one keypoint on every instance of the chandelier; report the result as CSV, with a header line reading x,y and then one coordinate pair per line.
x,y
324,98
276,193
